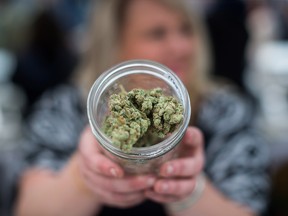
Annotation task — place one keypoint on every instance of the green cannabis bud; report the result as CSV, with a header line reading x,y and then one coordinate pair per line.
x,y
141,117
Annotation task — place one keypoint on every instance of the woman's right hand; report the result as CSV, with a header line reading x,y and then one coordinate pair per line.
x,y
107,179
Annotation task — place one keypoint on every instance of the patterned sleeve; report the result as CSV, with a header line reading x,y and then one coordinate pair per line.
x,y
11,167
237,155
54,127
51,136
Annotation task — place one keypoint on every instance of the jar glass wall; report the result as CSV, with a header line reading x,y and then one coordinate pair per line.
x,y
130,75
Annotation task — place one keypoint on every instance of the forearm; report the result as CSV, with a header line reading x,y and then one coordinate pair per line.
x,y
213,203
50,194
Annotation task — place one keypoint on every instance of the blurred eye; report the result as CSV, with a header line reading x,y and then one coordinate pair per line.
x,y
158,33
186,29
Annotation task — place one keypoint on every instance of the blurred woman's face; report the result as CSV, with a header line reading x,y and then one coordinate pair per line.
x,y
155,32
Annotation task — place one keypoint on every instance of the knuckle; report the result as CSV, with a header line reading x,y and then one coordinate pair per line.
x,y
123,185
101,167
132,184
176,188
173,188
183,189
103,184
160,184
117,188
135,184
180,167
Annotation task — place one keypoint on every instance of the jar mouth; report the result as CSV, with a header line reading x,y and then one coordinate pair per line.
x,y
144,67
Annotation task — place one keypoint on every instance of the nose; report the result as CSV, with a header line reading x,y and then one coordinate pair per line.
x,y
179,46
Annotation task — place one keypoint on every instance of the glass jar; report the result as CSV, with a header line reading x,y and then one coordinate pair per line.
x,y
137,74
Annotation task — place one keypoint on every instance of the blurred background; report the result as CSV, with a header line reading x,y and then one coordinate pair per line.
x,y
41,42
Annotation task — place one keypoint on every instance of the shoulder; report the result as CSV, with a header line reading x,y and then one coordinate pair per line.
x,y
62,97
226,119
224,110
237,155
57,119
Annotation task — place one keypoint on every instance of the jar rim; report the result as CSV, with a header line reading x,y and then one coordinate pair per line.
x,y
116,72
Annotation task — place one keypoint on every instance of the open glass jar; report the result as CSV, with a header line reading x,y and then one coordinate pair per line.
x,y
130,75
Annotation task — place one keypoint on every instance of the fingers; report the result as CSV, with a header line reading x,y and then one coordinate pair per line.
x,y
102,165
88,137
117,199
183,167
97,170
159,197
191,162
123,185
193,138
94,160
178,188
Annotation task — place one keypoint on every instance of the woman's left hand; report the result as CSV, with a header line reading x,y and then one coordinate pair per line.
x,y
178,177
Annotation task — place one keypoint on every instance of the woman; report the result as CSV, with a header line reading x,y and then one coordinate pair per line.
x,y
86,181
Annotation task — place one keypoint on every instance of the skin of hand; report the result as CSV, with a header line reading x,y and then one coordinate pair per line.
x,y
91,179
107,179
177,177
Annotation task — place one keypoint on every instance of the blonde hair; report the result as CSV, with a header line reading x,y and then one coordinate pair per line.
x,y
102,45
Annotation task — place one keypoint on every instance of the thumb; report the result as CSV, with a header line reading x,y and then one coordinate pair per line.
x,y
94,158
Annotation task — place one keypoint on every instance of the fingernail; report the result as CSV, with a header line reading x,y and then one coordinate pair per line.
x,y
113,172
169,170
164,187
151,181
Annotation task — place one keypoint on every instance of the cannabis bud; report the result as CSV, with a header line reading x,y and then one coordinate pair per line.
x,y
141,117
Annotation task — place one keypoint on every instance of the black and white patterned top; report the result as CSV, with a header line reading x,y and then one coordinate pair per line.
x,y
237,157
